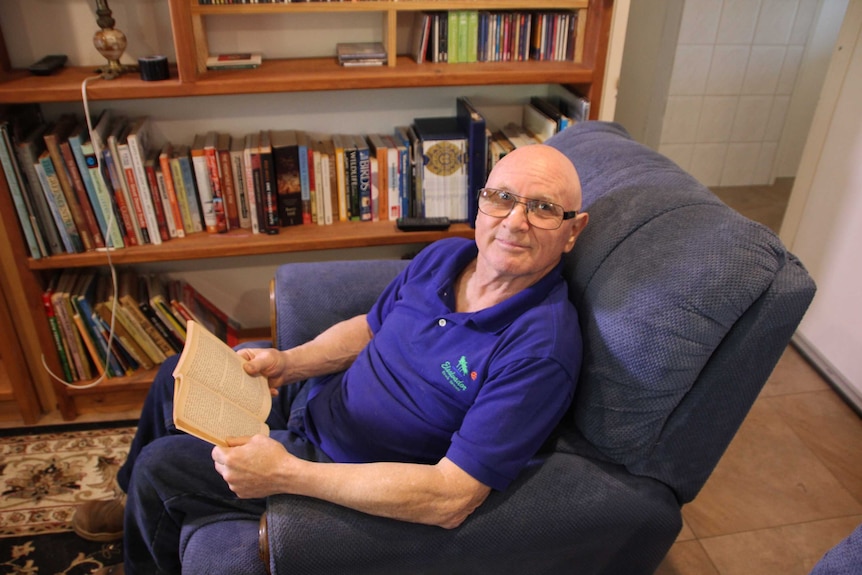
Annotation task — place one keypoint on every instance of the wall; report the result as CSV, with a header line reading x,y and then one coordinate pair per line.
x,y
710,82
823,225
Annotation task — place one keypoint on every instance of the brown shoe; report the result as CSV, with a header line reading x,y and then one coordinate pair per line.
x,y
100,520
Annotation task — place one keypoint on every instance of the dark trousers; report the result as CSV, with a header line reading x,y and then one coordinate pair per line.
x,y
171,481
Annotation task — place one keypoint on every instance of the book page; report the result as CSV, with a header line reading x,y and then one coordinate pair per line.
x,y
214,398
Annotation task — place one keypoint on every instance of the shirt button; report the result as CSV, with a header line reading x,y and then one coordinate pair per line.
x,y
441,322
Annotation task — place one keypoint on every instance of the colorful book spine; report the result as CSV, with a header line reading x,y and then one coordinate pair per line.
x,y
59,209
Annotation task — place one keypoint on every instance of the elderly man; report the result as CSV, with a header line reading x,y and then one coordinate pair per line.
x,y
415,411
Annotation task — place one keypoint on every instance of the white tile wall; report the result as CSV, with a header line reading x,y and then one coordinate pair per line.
x,y
735,67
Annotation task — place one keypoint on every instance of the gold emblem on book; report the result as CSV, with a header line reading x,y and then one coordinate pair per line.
x,y
443,158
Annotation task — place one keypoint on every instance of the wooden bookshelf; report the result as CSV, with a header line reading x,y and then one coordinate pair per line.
x,y
23,278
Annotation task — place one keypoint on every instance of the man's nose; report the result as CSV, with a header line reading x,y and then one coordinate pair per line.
x,y
519,214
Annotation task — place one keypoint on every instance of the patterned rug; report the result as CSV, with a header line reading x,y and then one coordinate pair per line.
x,y
44,476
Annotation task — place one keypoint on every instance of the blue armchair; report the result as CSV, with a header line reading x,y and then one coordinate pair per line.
x,y
685,307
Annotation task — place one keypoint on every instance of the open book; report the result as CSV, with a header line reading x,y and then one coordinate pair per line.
x,y
214,398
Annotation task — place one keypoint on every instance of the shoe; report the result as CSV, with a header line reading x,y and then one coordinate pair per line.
x,y
100,521
110,570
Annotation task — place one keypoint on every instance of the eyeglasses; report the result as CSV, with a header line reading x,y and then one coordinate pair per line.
x,y
541,214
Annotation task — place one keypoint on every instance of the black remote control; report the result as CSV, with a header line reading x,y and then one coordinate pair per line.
x,y
48,65
423,224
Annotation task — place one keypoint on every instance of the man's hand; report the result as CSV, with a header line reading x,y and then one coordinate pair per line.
x,y
251,466
267,362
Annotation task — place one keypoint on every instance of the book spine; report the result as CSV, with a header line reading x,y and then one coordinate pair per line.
x,y
255,194
239,181
217,191
59,209
27,160
269,192
68,375
173,196
205,191
225,169
24,216
113,233
158,206
164,199
87,179
125,170
195,208
104,311
63,312
81,195
305,184
137,333
62,177
93,327
249,185
147,194
133,308
351,161
182,198
120,199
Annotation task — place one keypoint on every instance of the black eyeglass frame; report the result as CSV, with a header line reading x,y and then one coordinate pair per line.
x,y
567,215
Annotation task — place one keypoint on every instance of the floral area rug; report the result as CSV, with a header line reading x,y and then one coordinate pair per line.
x,y
44,476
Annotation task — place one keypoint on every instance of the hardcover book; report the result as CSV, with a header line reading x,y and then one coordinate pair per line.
x,y
443,144
286,159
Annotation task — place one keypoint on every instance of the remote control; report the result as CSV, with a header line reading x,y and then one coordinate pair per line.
x,y
48,65
423,224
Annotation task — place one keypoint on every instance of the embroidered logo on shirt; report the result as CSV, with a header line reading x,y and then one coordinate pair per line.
x,y
455,374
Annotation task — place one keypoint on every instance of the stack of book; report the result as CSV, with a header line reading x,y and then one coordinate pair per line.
x,y
148,318
76,191
361,54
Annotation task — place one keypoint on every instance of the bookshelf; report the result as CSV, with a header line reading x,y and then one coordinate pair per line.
x,y
25,278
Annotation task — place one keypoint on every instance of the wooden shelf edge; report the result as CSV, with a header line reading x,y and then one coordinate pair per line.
x,y
296,75
304,238
384,5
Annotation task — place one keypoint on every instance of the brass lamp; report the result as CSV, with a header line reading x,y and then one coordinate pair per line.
x,y
110,42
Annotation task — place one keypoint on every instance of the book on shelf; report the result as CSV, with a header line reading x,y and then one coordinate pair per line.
x,y
538,123
252,189
61,300
81,147
124,208
182,154
228,182
315,181
138,140
443,145
210,148
405,174
27,151
306,165
161,202
56,335
473,124
363,165
118,149
57,201
214,398
203,183
421,34
361,53
234,61
77,182
238,171
341,177
57,133
268,187
15,123
191,304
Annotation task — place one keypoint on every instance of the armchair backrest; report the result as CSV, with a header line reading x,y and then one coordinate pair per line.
x,y
685,307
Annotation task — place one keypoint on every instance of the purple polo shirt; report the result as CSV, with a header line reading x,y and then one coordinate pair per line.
x,y
484,389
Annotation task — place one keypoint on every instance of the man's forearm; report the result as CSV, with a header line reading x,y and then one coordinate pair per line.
x,y
441,494
330,352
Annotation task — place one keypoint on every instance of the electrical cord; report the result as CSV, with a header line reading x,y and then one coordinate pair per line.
x,y
107,249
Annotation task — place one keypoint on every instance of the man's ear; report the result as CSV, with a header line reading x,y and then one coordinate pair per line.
x,y
578,225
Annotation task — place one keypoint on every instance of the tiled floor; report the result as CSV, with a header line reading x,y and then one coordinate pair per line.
x,y
789,486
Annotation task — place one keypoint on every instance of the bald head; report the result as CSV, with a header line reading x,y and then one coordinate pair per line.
x,y
546,168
